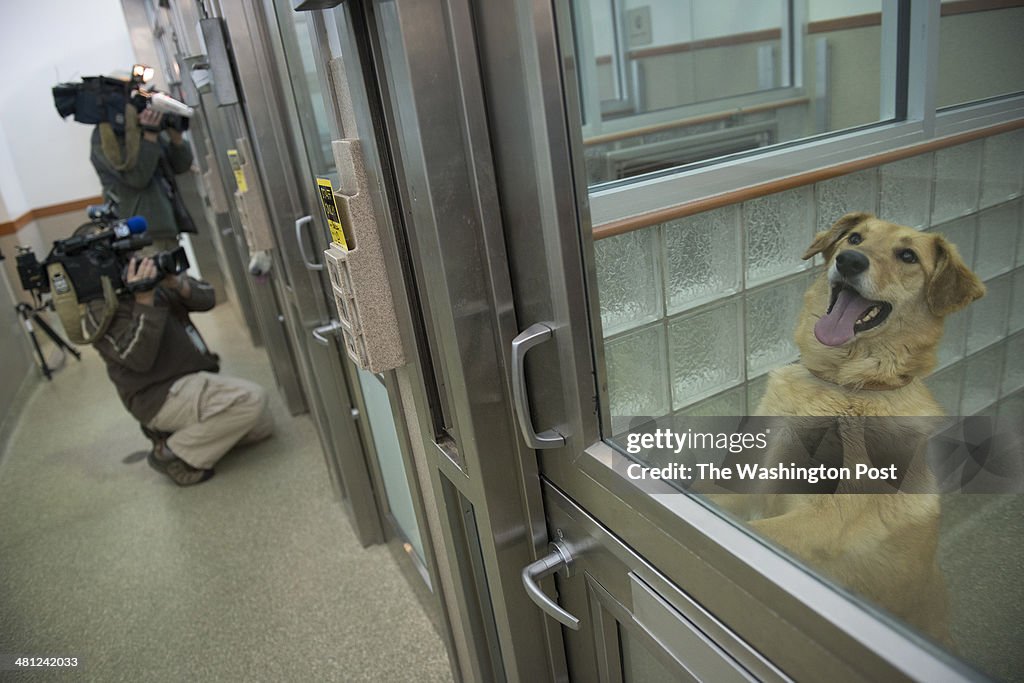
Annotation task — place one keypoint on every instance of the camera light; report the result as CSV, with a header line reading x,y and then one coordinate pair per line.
x,y
143,72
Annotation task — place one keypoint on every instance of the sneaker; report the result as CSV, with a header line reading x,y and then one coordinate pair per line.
x,y
162,459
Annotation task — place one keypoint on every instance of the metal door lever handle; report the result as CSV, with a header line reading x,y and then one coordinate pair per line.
x,y
331,328
535,334
306,261
558,558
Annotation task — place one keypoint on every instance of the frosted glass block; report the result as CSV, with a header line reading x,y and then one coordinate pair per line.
x,y
962,233
1013,370
755,392
702,258
1002,172
989,315
778,230
954,338
957,181
906,191
705,353
637,373
997,240
629,279
839,196
1017,302
945,386
732,403
772,314
982,379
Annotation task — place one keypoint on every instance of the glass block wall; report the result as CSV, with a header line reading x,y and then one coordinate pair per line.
x,y
697,310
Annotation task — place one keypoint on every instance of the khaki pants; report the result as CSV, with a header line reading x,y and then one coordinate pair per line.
x,y
209,414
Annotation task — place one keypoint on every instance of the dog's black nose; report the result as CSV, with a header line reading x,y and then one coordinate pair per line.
x,y
850,263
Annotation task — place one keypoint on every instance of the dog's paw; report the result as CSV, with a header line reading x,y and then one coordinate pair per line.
x,y
260,263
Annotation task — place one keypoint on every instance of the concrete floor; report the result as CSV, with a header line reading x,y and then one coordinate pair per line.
x,y
254,575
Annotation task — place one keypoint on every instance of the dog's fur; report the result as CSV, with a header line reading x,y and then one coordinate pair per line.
x,y
881,546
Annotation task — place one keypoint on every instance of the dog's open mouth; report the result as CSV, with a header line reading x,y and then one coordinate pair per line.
x,y
849,314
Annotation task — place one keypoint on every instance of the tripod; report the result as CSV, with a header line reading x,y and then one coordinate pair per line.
x,y
31,315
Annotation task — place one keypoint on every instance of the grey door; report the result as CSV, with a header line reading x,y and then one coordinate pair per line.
x,y
311,50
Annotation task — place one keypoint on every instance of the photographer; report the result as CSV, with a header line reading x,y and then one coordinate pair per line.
x,y
138,169
166,376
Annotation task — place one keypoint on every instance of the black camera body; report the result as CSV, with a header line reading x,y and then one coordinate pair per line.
x,y
88,259
99,99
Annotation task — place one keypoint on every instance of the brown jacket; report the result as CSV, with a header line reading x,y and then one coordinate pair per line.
x,y
147,348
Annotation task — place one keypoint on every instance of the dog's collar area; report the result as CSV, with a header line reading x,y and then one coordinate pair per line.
x,y
901,382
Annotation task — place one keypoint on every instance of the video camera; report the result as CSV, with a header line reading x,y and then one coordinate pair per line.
x,y
99,99
91,265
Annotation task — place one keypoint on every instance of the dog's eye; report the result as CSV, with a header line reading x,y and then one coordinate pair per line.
x,y
908,256
855,238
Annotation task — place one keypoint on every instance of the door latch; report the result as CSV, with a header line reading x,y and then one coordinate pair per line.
x,y
560,558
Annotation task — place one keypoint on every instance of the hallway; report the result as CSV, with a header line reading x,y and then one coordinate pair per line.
x,y
254,575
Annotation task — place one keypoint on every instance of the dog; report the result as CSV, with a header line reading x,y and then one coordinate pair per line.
x,y
868,334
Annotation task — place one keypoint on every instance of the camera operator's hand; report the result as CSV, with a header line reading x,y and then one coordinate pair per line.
x,y
151,122
139,271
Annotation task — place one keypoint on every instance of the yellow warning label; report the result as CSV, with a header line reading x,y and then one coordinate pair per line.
x,y
236,166
331,211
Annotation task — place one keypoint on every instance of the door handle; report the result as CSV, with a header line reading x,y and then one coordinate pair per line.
x,y
535,334
331,328
560,557
306,261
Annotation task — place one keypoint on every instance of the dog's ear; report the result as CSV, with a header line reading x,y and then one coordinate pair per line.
x,y
952,285
825,241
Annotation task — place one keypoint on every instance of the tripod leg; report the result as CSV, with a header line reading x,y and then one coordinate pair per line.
x,y
35,345
57,339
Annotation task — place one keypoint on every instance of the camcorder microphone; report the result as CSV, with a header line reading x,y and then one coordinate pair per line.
x,y
133,225
165,104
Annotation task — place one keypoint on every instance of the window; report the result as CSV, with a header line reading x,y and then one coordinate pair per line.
x,y
669,83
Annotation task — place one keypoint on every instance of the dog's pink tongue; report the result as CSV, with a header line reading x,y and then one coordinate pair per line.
x,y
836,328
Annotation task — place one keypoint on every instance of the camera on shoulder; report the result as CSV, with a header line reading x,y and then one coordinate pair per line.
x,y
103,99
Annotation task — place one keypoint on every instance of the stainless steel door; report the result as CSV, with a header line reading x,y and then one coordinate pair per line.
x,y
308,56
707,592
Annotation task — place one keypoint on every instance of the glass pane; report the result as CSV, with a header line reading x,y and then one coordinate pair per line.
x,y
666,83
296,35
980,53
742,320
389,458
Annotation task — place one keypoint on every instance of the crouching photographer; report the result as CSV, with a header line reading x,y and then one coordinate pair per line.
x,y
167,377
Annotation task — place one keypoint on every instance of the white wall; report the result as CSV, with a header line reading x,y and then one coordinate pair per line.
x,y
44,160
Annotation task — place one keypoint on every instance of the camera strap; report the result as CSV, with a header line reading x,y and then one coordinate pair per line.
x,y
74,316
122,159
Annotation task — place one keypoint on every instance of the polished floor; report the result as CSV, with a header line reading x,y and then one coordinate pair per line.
x,y
252,576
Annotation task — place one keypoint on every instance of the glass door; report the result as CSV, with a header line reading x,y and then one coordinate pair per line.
x,y
667,292
319,69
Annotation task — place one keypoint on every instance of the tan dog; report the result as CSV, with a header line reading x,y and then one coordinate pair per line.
x,y
868,334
